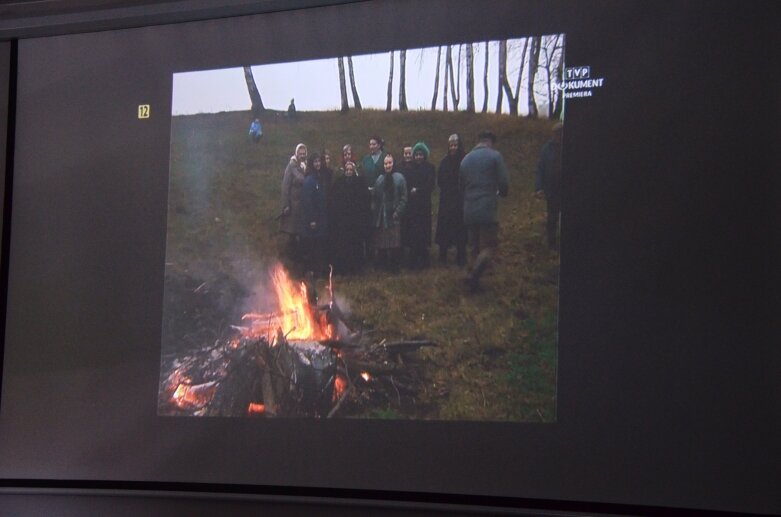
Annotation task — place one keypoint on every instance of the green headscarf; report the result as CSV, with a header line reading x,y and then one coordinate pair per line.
x,y
420,146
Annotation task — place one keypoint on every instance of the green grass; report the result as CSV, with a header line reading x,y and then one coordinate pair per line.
x,y
497,352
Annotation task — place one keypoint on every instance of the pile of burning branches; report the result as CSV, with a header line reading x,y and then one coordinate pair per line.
x,y
302,360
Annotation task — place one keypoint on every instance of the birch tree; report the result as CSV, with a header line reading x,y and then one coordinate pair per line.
x,y
254,94
470,79
343,85
356,99
390,84
402,80
485,81
534,56
436,81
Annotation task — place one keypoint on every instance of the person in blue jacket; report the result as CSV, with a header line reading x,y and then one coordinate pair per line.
x,y
483,177
255,130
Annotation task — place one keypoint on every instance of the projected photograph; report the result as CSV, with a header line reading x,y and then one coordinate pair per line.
x,y
368,236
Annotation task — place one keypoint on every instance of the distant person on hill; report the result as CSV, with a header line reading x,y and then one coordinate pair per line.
x,y
420,178
314,219
483,177
372,163
548,182
390,202
255,131
291,109
290,215
450,216
349,220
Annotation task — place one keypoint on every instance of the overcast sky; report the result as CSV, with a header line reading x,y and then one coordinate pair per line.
x,y
315,84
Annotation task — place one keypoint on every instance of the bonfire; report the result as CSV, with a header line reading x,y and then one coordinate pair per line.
x,y
302,359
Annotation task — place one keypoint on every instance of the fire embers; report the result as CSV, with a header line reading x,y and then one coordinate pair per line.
x,y
290,363
194,397
311,369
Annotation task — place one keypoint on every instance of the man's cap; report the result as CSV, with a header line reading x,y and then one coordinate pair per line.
x,y
486,135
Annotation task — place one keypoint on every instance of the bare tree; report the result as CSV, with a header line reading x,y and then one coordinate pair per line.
x,y
470,79
436,81
534,56
455,92
356,99
485,81
402,80
390,84
559,105
254,94
343,85
448,63
502,75
550,47
512,96
457,84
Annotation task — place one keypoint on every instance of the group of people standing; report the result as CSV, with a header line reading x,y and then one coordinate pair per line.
x,y
375,208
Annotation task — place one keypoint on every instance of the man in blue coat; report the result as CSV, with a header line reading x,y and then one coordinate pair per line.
x,y
483,177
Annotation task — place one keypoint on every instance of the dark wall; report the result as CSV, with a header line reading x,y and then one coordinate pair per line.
x,y
668,378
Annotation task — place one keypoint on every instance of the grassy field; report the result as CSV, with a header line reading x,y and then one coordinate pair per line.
x,y
497,352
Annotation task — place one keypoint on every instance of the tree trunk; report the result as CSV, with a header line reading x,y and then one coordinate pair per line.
x,y
559,105
470,79
448,63
485,81
254,94
453,93
458,79
436,81
501,76
511,99
549,47
390,84
402,80
356,99
534,55
520,76
343,85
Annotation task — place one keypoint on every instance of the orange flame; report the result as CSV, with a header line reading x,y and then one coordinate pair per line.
x,y
255,408
294,315
340,384
366,376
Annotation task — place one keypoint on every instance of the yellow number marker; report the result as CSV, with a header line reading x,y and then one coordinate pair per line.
x,y
143,111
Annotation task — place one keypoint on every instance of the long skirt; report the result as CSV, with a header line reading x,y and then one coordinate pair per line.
x,y
388,238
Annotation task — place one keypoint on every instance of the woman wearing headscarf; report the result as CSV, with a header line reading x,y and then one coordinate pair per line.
x,y
390,202
420,179
314,220
450,217
290,214
349,220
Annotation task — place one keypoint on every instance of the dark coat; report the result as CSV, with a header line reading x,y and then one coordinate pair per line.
x,y
548,175
450,217
349,219
313,209
483,178
416,230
